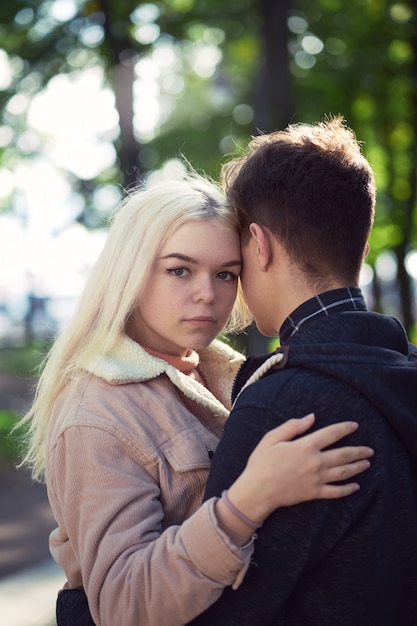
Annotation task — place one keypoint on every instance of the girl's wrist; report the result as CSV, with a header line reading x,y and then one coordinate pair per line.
x,y
250,499
239,532
243,518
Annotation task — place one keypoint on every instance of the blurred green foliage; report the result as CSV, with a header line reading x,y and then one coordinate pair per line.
x,y
23,360
18,362
9,445
277,62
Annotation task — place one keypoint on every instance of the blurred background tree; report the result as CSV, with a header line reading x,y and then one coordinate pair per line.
x,y
97,94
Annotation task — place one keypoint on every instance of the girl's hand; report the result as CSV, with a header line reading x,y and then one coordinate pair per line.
x,y
281,472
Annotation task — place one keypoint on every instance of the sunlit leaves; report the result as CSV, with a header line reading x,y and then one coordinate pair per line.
x,y
363,107
24,17
400,51
144,17
384,236
402,136
182,6
400,12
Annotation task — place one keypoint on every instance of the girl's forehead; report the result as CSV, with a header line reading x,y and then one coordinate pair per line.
x,y
197,239
200,229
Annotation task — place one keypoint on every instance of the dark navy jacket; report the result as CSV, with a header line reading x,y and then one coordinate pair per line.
x,y
346,562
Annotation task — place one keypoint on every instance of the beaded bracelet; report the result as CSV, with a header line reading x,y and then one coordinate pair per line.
x,y
238,514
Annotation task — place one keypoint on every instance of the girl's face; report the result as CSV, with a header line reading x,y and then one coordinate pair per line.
x,y
191,290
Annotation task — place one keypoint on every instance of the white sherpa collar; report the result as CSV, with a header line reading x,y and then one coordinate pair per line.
x,y
130,363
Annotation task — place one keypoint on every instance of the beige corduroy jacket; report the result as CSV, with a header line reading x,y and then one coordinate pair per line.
x,y
128,458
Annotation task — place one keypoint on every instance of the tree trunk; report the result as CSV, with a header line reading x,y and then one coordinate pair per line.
x,y
274,106
121,59
128,150
410,206
273,99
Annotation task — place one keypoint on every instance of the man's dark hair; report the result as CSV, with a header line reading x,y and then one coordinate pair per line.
x,y
313,189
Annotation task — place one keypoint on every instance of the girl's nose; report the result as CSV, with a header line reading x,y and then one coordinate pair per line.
x,y
205,290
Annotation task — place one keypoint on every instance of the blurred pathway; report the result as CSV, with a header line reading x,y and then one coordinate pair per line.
x,y
25,522
29,579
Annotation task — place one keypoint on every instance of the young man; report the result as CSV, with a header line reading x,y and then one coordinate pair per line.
x,y
305,197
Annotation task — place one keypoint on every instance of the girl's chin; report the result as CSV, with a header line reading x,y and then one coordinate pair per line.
x,y
204,342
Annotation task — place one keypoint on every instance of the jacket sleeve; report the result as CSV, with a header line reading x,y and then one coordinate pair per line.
x,y
133,571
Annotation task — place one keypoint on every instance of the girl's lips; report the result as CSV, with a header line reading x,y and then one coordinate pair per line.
x,y
201,320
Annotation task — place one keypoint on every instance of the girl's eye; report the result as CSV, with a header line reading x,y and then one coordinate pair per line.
x,y
227,276
178,271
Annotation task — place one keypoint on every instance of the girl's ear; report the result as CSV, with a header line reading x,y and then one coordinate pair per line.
x,y
260,238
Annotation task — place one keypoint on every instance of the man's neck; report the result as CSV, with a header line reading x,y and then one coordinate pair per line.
x,y
289,286
299,291
324,304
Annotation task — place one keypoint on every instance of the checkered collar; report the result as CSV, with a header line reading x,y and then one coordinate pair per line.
x,y
335,301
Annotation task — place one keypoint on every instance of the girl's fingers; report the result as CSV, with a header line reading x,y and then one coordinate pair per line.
x,y
330,492
307,470
319,439
291,428
331,434
343,472
347,454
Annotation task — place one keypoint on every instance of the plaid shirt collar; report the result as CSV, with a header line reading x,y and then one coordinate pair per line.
x,y
335,301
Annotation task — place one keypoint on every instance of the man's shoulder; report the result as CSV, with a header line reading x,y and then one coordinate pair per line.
x,y
254,374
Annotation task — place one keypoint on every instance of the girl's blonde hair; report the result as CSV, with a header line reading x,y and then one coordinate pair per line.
x,y
146,219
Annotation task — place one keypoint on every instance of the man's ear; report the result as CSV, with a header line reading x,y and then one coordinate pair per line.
x,y
366,250
261,238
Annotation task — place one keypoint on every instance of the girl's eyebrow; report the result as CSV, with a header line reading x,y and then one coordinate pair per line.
x,y
181,257
188,259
